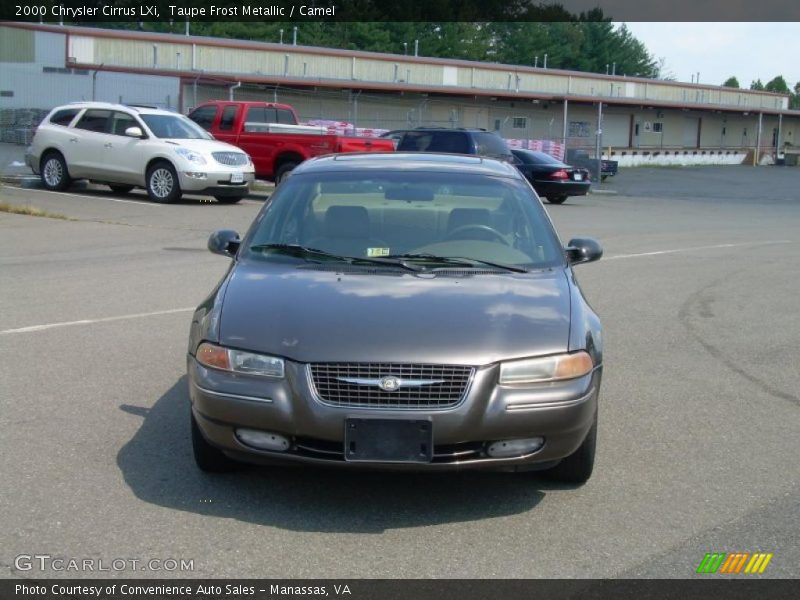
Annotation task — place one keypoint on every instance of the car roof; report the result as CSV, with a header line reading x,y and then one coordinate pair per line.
x,y
419,161
142,109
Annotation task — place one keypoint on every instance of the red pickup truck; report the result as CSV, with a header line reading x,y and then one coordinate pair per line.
x,y
270,134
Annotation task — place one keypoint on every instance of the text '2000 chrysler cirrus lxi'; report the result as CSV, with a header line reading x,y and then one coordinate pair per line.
x,y
398,311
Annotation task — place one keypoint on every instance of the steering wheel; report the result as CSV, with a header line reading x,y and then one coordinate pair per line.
x,y
478,228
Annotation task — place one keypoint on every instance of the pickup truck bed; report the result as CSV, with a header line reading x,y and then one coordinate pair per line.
x,y
270,134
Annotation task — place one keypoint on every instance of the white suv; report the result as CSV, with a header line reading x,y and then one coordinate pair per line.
x,y
133,146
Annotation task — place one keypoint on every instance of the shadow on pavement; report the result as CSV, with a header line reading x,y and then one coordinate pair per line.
x,y
158,466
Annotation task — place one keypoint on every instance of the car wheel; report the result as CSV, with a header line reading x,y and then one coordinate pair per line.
x,y
283,171
207,457
578,466
228,199
54,174
162,183
121,189
557,199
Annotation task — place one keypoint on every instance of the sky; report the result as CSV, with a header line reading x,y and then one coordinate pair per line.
x,y
718,50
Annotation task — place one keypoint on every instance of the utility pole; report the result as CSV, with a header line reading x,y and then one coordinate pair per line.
x,y
416,47
599,142
294,36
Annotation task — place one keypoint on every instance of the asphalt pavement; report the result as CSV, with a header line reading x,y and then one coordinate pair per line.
x,y
699,409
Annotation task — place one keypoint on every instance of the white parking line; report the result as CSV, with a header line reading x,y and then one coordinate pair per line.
x,y
71,195
33,328
659,252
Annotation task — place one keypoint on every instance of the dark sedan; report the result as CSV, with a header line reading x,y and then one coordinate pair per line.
x,y
552,178
404,311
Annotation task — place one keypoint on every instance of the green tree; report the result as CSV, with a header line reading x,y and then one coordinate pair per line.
x,y
731,82
757,85
778,85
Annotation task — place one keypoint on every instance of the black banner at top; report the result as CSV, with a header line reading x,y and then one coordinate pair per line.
x,y
299,11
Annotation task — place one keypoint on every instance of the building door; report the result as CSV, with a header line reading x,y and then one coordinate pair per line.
x,y
690,132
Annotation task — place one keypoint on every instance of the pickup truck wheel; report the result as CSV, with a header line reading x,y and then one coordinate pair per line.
x,y
121,189
283,171
162,183
54,174
578,466
557,199
228,199
207,457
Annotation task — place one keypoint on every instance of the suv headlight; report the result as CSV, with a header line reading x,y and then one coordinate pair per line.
x,y
192,156
239,361
546,368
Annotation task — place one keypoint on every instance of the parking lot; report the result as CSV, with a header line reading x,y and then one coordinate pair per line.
x,y
699,410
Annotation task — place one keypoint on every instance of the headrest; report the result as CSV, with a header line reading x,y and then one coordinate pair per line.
x,y
347,222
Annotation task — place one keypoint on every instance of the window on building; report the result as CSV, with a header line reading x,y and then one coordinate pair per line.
x,y
580,129
519,123
658,127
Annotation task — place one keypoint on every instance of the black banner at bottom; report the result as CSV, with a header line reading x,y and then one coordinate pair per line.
x,y
386,589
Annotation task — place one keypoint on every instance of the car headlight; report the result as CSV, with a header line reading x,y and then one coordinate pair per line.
x,y
239,361
546,368
192,156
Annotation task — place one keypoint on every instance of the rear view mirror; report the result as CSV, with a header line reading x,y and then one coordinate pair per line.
x,y
583,250
134,132
224,242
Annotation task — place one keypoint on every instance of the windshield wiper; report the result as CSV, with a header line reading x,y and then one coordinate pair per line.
x,y
306,252
462,261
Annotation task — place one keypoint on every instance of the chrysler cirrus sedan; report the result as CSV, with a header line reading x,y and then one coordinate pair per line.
x,y
398,311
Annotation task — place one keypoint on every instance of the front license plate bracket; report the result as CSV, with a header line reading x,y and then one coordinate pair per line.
x,y
388,440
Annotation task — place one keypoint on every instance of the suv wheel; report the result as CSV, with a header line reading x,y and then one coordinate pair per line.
x,y
54,172
162,183
556,199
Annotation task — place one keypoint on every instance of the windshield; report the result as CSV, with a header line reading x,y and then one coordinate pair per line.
x,y
421,220
176,127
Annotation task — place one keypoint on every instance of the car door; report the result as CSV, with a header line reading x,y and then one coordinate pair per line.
x,y
123,157
85,147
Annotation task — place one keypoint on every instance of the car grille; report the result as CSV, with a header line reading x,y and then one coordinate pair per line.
x,y
231,159
422,386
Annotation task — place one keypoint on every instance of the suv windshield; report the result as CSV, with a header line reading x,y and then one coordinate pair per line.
x,y
176,127
415,220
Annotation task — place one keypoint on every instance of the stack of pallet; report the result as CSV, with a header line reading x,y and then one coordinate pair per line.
x,y
17,125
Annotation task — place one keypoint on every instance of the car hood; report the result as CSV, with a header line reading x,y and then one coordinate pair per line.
x,y
325,316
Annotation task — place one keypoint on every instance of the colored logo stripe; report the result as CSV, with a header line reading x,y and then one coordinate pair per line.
x,y
733,563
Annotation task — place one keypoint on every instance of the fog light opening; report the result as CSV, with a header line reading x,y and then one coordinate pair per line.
x,y
510,448
195,174
264,440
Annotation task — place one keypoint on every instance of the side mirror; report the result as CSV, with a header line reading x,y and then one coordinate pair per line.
x,y
134,132
583,250
224,242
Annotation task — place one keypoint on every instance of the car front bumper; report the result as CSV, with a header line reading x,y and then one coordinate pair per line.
x,y
216,183
562,413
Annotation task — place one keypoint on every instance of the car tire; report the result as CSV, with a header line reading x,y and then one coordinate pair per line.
x,y
162,183
53,172
228,199
121,189
577,467
557,199
283,171
207,457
